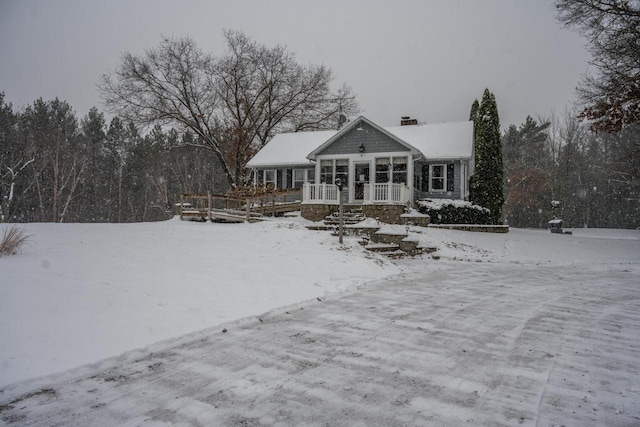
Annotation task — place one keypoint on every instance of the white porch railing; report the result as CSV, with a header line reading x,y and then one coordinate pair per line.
x,y
387,193
320,193
373,193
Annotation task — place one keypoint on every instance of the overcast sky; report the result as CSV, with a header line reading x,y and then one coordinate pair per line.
x,y
426,59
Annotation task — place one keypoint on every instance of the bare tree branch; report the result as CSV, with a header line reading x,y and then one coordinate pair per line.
x,y
611,98
233,104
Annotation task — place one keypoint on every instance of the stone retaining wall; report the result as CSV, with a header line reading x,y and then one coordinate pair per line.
x,y
474,227
317,212
389,214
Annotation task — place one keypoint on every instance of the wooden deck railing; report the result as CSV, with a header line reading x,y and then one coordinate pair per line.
x,y
207,205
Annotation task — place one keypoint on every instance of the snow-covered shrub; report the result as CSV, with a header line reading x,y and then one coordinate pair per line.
x,y
448,211
13,239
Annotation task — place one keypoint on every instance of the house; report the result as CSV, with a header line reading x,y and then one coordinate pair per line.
x,y
383,169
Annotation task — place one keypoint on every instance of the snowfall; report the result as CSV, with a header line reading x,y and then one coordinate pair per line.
x,y
188,323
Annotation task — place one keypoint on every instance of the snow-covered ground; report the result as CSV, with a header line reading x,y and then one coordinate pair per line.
x,y
504,329
82,292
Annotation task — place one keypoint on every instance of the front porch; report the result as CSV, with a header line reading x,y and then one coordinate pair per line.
x,y
358,194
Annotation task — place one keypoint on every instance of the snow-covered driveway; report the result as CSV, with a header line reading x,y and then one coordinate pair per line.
x,y
458,343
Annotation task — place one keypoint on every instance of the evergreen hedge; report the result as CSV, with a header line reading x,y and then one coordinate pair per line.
x,y
447,211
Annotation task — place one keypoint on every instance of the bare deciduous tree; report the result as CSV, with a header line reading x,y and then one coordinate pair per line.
x,y
612,97
233,104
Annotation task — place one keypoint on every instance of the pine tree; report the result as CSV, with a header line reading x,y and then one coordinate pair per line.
x,y
474,111
486,184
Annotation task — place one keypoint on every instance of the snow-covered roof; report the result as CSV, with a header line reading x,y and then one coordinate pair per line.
x,y
290,149
451,140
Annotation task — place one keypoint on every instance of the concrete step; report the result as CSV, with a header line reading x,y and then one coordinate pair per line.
x,y
382,247
345,221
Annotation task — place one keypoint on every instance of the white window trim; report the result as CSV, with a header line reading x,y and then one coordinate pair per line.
x,y
405,171
275,177
443,177
388,171
294,180
333,170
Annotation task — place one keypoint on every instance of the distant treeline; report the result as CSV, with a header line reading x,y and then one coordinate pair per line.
x,y
594,176
56,168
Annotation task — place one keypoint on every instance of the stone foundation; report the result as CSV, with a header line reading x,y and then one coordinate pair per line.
x,y
419,221
316,212
389,214
478,228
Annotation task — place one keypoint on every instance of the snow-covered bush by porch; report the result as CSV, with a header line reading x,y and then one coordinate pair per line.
x,y
450,211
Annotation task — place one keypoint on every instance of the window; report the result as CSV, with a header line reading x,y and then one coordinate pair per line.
x,y
342,170
326,171
437,177
298,178
382,170
270,177
399,170
311,176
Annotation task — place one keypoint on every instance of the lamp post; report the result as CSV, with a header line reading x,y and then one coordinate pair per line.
x,y
339,184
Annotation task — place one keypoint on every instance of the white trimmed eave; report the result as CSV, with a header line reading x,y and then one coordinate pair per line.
x,y
314,154
441,159
281,165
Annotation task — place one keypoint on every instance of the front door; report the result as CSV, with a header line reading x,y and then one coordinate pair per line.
x,y
361,180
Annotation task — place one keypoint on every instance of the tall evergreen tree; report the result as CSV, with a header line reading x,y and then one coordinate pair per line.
x,y
13,159
486,184
474,111
92,207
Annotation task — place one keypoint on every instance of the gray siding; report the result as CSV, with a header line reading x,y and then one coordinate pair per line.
x,y
455,194
372,139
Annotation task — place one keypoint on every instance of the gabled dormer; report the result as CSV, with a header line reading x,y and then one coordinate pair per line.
x,y
362,136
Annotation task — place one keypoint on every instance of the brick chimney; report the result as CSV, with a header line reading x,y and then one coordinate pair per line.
x,y
408,121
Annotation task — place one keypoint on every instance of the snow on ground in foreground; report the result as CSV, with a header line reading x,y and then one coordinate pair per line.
x,y
584,246
524,328
82,292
